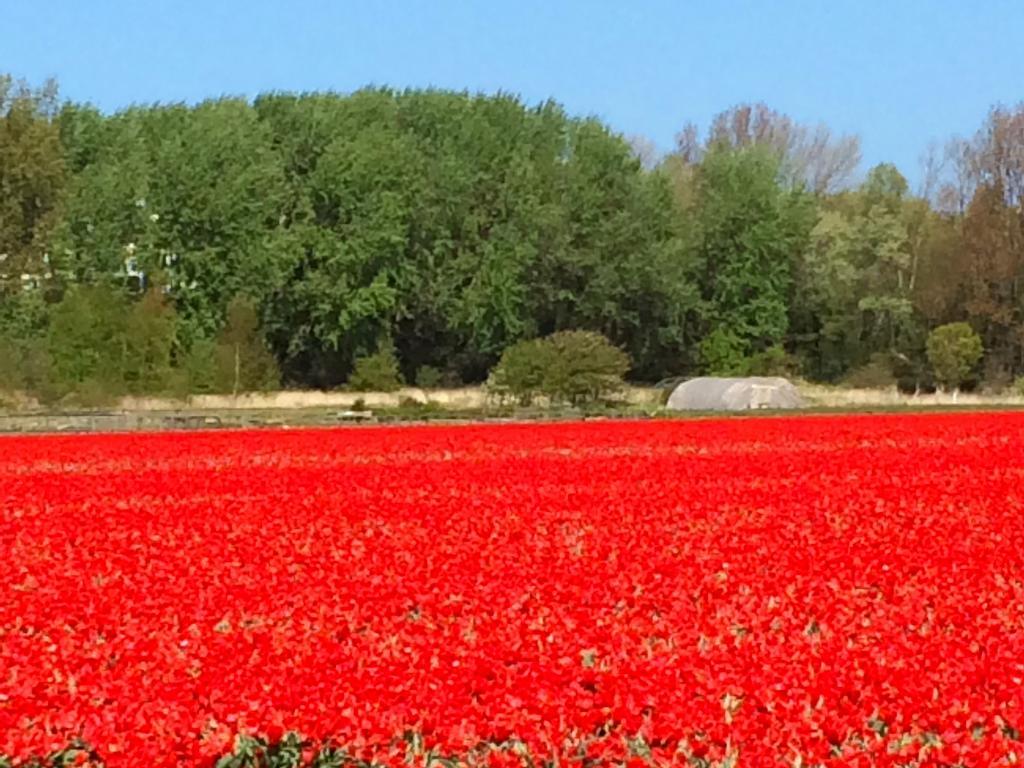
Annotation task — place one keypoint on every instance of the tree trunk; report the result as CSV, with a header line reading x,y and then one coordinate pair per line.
x,y
238,367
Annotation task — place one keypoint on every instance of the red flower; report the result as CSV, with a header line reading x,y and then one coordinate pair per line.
x,y
845,590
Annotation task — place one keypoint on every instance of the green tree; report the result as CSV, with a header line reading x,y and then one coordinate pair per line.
x,y
624,270
570,366
191,197
522,371
24,359
149,340
244,362
586,367
750,232
87,343
459,224
724,353
854,284
953,351
353,212
378,372
33,177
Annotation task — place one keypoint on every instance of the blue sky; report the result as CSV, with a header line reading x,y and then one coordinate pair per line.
x,y
900,73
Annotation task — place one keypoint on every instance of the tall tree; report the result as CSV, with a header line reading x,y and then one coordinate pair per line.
x,y
750,228
191,197
809,156
33,176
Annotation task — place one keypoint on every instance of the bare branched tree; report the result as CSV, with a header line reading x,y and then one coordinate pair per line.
x,y
688,145
810,155
645,150
932,164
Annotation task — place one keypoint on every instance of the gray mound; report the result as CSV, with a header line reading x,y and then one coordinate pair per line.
x,y
709,393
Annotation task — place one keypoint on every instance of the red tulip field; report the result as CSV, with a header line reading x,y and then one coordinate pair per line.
x,y
815,591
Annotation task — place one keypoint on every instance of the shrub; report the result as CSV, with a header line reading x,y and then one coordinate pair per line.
x,y
148,342
724,354
377,372
877,373
91,393
199,368
520,374
11,378
953,352
86,342
570,366
774,361
995,379
244,362
586,367
429,377
238,360
912,372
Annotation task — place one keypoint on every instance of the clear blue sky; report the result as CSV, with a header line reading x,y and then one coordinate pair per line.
x,y
899,72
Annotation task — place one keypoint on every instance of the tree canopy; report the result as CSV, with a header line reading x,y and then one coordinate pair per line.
x,y
308,231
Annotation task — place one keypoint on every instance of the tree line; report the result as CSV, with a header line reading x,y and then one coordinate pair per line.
x,y
239,244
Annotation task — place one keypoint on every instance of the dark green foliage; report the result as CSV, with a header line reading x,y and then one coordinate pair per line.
x,y
429,377
77,753
724,353
24,361
149,345
569,366
243,361
750,228
101,344
522,370
457,225
877,373
199,369
377,372
87,343
774,361
33,177
586,367
254,752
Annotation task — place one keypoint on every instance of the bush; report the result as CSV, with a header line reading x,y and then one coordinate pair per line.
x,y
86,343
570,366
377,372
148,342
995,379
429,377
199,369
953,352
520,374
774,361
91,393
243,361
11,378
877,373
587,367
724,354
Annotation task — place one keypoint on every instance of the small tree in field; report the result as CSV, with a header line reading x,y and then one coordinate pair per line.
x,y
378,372
521,371
953,351
570,366
587,367
244,362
